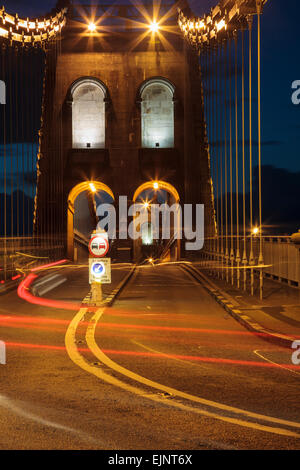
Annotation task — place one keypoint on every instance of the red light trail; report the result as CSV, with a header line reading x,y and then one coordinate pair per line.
x,y
212,360
23,293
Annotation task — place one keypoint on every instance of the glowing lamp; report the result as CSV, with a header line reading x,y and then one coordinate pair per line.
x,y
255,230
154,27
221,25
93,188
92,27
155,185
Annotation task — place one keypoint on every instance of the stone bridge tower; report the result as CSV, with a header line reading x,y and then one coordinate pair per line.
x,y
123,106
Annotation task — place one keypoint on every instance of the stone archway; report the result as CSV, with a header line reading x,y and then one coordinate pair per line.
x,y
169,188
74,193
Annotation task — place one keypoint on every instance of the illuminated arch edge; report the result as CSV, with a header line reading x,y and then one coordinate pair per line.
x,y
162,185
86,79
85,186
152,81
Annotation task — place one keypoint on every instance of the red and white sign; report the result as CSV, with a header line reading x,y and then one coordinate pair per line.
x,y
99,246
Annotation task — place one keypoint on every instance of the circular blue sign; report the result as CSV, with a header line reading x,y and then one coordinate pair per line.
x,y
98,269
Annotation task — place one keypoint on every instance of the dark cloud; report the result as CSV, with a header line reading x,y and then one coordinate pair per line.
x,y
264,143
17,150
270,143
280,208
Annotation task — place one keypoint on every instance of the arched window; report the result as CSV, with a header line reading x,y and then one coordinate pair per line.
x,y
88,114
157,113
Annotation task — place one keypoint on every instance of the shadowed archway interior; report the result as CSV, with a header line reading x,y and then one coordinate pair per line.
x,y
93,186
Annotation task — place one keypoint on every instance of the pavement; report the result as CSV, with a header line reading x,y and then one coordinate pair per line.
x,y
276,316
164,367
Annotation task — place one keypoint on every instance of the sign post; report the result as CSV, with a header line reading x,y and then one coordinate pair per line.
x,y
99,267
2,352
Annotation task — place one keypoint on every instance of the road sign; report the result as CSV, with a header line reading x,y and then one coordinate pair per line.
x,y
100,270
99,246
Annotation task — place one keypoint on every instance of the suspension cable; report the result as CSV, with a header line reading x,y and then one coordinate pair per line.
x,y
230,158
217,152
11,146
4,56
16,69
251,260
244,260
238,258
221,164
260,260
225,163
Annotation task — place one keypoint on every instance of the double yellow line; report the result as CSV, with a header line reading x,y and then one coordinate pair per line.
x,y
233,415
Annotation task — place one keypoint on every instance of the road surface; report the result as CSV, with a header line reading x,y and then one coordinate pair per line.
x,y
164,368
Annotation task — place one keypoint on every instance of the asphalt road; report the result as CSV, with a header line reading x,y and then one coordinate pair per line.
x,y
164,368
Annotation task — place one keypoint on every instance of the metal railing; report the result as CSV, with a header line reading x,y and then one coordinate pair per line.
x,y
281,260
19,254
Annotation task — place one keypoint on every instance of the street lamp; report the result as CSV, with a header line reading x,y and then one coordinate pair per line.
x,y
155,185
146,203
93,188
154,27
92,27
255,231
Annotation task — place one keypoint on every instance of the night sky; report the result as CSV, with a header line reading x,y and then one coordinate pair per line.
x,y
280,67
280,118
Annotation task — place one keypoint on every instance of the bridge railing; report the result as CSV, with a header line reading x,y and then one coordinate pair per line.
x,y
282,258
230,261
20,254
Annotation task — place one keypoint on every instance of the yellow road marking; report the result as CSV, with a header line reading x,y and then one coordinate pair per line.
x,y
90,338
272,362
76,357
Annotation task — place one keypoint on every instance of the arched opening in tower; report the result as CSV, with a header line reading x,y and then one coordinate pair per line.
x,y
86,219
84,203
160,223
